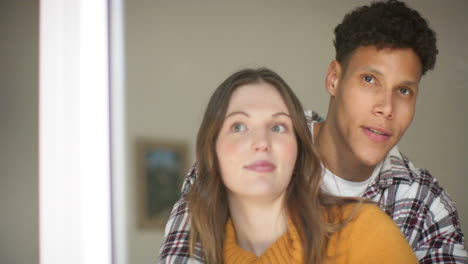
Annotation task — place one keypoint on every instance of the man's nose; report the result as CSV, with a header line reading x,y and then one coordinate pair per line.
x,y
384,104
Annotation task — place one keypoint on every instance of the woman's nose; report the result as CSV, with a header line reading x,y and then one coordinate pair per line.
x,y
261,141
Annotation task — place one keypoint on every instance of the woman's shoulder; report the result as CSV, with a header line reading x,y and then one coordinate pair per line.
x,y
354,218
364,211
367,214
370,236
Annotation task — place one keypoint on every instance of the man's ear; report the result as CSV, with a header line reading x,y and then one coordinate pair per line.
x,y
333,77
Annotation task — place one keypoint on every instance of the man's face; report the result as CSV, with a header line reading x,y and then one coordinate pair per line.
x,y
373,101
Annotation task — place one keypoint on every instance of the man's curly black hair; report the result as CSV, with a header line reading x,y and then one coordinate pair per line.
x,y
389,24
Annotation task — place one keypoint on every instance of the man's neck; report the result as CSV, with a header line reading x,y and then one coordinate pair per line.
x,y
257,225
336,158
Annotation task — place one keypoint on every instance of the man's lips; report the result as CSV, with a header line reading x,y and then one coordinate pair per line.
x,y
377,134
261,166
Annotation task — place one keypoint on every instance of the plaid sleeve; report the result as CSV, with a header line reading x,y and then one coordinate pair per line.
x,y
428,218
441,239
175,245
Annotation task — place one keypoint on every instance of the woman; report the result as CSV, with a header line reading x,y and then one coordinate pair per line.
x,y
258,198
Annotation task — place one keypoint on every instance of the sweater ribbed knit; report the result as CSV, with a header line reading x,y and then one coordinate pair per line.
x,y
370,237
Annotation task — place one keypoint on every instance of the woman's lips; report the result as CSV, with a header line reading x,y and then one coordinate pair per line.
x,y
261,166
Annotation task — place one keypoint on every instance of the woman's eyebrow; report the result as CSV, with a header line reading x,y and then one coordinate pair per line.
x,y
247,115
281,114
237,113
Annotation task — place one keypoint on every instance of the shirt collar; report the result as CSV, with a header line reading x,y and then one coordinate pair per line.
x,y
396,167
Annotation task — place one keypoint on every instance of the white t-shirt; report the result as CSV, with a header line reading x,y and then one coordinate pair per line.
x,y
338,186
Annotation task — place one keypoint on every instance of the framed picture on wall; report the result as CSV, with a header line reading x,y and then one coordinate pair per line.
x,y
161,167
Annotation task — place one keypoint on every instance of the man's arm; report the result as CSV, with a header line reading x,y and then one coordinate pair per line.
x,y
441,239
175,246
421,208
428,218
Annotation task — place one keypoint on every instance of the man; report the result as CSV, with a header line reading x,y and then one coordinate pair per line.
x,y
382,51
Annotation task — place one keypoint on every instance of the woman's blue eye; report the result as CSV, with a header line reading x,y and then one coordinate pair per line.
x,y
279,128
369,79
238,127
405,91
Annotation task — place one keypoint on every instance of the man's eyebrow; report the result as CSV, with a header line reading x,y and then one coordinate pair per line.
x,y
375,71
410,83
372,70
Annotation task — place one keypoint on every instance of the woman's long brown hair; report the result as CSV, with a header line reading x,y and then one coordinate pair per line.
x,y
305,200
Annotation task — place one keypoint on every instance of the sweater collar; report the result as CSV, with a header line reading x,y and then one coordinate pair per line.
x,y
287,249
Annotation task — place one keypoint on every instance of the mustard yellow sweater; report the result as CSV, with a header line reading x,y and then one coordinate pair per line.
x,y
370,237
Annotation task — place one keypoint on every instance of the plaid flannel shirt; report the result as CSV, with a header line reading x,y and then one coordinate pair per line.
x,y
413,198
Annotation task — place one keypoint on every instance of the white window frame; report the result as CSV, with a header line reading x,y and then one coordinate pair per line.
x,y
75,197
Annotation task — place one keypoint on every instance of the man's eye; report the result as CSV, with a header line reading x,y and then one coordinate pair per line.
x,y
238,127
369,79
279,128
405,91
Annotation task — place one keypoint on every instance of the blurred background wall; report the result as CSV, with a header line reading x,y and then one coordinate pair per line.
x,y
178,52
19,131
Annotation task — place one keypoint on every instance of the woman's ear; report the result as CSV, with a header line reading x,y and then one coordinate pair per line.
x,y
333,77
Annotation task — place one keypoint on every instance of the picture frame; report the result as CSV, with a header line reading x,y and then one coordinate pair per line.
x,y
161,168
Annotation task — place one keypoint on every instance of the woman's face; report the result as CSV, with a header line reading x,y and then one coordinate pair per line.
x,y
256,146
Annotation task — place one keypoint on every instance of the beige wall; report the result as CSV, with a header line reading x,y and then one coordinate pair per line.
x,y
18,132
178,52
